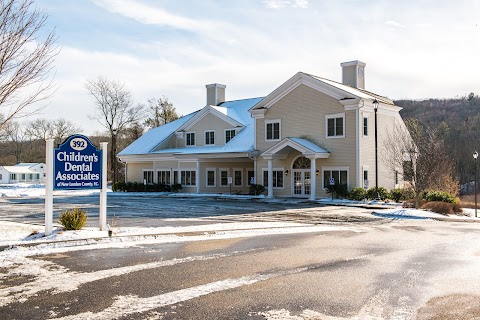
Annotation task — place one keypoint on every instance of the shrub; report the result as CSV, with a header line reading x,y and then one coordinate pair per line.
x,y
410,203
256,189
176,187
339,191
73,219
382,193
397,195
357,194
438,207
439,196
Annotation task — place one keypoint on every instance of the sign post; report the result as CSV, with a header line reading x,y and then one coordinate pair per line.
x,y
332,183
49,187
75,164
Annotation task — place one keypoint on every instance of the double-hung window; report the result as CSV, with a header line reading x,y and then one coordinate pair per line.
x,y
340,177
223,178
148,176
365,126
188,178
209,138
211,177
229,134
336,125
277,178
272,130
237,177
163,176
190,139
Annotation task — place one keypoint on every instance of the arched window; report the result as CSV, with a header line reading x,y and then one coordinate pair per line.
x,y
301,163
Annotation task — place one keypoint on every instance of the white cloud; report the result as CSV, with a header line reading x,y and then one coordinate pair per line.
x,y
151,15
278,4
394,24
300,4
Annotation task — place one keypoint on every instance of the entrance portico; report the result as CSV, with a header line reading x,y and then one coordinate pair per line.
x,y
303,168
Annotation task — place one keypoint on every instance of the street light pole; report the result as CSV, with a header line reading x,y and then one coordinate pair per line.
x,y
375,108
475,156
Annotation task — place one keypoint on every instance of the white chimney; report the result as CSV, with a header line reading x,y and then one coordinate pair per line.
x,y
215,94
353,74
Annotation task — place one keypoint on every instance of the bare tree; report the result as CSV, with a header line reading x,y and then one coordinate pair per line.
x,y
419,154
115,111
59,129
161,111
16,139
26,58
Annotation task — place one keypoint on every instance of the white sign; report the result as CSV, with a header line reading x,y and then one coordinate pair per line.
x,y
230,180
332,181
365,184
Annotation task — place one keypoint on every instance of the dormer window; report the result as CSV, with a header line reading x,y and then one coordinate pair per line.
x,y
229,134
190,139
209,138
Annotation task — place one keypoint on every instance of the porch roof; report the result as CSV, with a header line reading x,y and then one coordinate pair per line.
x,y
304,146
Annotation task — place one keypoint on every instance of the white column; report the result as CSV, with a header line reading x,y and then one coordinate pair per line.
x,y
313,179
179,174
102,224
270,178
155,175
49,187
197,177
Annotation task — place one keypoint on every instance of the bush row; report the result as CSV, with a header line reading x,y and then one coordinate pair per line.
x,y
140,187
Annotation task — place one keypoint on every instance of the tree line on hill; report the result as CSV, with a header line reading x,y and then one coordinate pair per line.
x,y
455,125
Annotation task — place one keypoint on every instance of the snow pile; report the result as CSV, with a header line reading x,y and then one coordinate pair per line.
x,y
15,232
38,190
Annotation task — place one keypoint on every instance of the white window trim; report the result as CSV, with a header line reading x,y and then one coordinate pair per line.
x,y
186,139
205,138
157,170
233,176
214,177
333,116
220,176
275,169
185,170
148,170
365,116
279,121
225,134
333,168
365,168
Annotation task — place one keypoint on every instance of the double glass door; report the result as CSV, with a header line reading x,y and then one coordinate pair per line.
x,y
301,182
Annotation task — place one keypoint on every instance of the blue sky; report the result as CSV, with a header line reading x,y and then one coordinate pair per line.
x,y
413,49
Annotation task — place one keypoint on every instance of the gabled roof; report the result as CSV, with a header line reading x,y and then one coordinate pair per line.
x,y
21,168
334,89
236,112
303,146
152,138
219,112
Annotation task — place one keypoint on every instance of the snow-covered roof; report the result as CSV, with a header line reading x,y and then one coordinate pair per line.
x,y
155,136
236,110
18,169
25,164
309,145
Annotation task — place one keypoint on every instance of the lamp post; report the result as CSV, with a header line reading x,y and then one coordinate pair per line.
x,y
375,108
475,156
